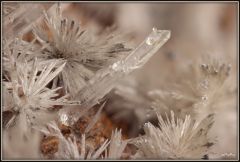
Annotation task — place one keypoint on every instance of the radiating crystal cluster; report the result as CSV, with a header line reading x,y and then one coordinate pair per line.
x,y
54,81
62,66
176,139
197,96
18,18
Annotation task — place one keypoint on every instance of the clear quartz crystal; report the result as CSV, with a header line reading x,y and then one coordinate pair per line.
x,y
105,80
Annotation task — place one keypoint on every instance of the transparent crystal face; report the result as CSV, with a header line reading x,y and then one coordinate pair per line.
x,y
104,81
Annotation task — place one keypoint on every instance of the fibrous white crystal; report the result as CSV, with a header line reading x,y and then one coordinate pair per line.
x,y
18,18
199,95
176,139
68,148
116,147
29,92
85,53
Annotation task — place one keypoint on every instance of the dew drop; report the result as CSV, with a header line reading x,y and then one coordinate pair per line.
x,y
114,66
204,98
64,119
154,29
215,71
150,41
204,66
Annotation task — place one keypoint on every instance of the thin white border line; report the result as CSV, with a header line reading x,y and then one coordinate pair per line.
x,y
237,32
126,1
237,17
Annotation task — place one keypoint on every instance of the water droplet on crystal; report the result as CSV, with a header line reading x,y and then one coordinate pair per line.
x,y
154,29
204,98
204,66
215,71
150,41
114,66
64,119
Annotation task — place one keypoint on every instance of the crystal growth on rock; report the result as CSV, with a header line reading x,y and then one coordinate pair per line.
x,y
176,138
105,80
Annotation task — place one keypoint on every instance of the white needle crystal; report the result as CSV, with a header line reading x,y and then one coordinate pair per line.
x,y
18,18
